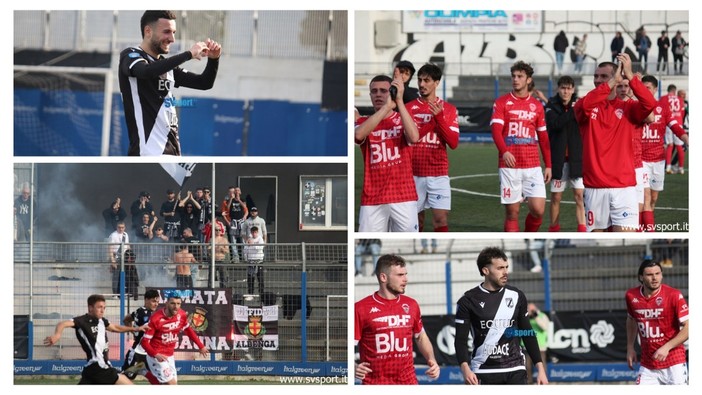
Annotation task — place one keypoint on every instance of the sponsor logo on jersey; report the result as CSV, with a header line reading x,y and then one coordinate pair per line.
x,y
510,302
659,301
619,113
649,313
405,308
387,342
374,310
497,323
134,55
482,305
394,320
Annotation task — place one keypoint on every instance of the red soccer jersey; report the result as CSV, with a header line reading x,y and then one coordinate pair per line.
x,y
162,336
636,142
607,128
676,106
658,320
523,125
387,159
654,133
429,158
384,330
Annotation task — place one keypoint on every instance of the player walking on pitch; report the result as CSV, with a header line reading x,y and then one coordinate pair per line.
x,y
385,325
437,122
519,130
658,317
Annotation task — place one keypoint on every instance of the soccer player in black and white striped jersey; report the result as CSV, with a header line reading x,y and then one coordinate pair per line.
x,y
147,80
91,331
497,315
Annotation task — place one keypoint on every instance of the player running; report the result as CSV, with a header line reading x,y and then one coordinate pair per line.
x,y
519,130
160,341
385,325
658,316
135,360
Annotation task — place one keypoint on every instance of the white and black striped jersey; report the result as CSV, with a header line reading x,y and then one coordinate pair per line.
x,y
498,321
141,317
149,105
92,336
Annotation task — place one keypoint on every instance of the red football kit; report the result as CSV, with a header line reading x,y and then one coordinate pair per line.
x,y
384,331
607,128
387,158
654,132
658,320
162,336
676,106
519,126
429,158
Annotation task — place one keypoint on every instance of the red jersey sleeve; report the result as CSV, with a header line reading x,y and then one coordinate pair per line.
x,y
639,109
681,308
497,123
447,120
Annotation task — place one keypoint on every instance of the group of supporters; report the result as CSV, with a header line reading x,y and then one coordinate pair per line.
x,y
608,145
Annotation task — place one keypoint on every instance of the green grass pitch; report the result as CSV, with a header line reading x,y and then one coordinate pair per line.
x,y
475,195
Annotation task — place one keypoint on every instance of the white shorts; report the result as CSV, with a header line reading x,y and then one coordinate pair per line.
x,y
433,192
655,171
393,217
641,184
163,371
516,184
560,185
671,138
605,207
674,375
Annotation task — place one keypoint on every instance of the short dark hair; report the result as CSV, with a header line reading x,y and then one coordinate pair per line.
x,y
381,78
431,70
150,17
566,80
254,228
522,66
385,262
487,255
649,78
672,88
150,294
92,299
646,264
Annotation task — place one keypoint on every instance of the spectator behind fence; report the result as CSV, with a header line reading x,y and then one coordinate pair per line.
x,y
119,240
560,44
170,215
540,324
643,45
580,50
183,259
196,249
663,43
23,214
144,233
112,215
425,244
678,45
365,247
617,45
221,253
189,210
140,207
253,254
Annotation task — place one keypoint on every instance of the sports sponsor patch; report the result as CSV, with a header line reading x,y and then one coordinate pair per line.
x,y
134,55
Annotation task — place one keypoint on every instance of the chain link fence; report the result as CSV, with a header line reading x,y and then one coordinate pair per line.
x,y
52,282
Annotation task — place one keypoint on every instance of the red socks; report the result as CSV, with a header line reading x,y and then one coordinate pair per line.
x,y
554,228
648,221
441,229
532,224
511,225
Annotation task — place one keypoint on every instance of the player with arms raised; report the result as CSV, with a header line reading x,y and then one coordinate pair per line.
x,y
385,324
437,121
160,340
519,129
658,317
389,198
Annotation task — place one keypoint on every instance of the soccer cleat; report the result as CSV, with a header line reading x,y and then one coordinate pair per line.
x,y
132,371
681,171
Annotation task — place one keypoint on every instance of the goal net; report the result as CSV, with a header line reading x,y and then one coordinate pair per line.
x,y
61,110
